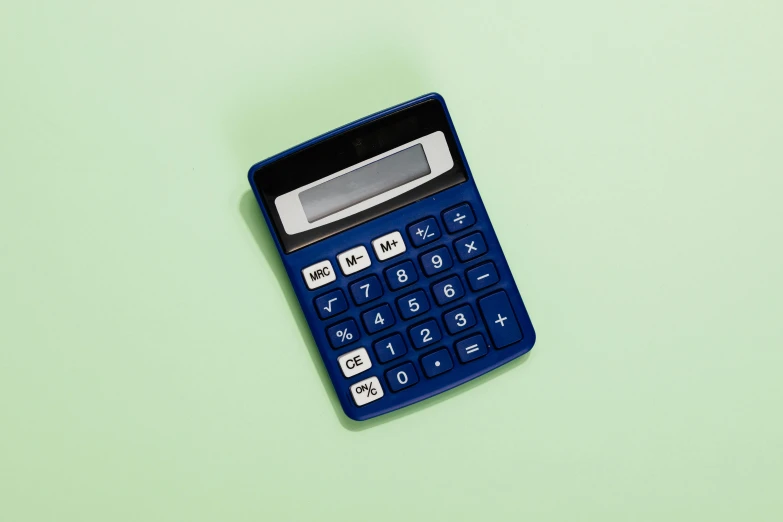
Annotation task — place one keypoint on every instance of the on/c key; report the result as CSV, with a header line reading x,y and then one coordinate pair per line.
x,y
499,318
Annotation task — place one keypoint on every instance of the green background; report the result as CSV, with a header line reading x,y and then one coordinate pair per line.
x,y
154,364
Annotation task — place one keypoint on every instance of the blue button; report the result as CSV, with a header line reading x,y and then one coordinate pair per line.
x,y
401,275
424,232
436,261
500,320
413,304
343,333
402,377
378,319
425,334
459,319
331,304
366,290
470,247
482,276
459,218
390,348
436,363
448,290
471,348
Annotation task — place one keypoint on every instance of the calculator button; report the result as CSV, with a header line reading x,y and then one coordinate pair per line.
x,y
389,348
424,232
425,334
343,333
500,320
331,304
436,261
354,362
319,274
470,247
471,348
388,246
366,290
366,391
459,319
448,290
436,363
354,260
402,377
482,276
401,275
459,218
413,304
378,319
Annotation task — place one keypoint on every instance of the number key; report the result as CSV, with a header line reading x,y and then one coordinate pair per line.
x,y
425,334
402,376
448,290
459,319
436,261
390,348
413,304
366,290
378,319
401,275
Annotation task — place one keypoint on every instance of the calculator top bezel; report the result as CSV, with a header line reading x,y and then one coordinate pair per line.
x,y
346,146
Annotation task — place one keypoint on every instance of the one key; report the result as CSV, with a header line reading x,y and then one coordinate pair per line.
x,y
436,363
378,319
425,334
343,333
436,261
459,319
402,377
448,290
499,318
413,304
390,348
423,232
366,290
470,247
471,348
459,218
331,304
482,276
401,275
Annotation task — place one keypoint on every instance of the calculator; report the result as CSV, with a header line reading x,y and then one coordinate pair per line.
x,y
393,257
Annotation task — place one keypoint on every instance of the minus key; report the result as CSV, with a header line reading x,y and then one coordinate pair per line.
x,y
482,276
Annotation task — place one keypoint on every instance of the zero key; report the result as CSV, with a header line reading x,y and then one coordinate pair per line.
x,y
499,318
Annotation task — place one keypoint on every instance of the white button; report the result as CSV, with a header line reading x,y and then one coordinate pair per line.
x,y
354,362
319,274
366,391
388,246
354,260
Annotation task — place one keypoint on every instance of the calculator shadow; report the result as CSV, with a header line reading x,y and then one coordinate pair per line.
x,y
251,214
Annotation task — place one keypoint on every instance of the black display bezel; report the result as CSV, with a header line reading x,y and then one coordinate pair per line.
x,y
347,148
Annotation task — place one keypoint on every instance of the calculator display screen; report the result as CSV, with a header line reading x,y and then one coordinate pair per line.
x,y
364,183
363,172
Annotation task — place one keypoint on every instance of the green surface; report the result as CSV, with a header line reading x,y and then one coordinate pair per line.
x,y
154,364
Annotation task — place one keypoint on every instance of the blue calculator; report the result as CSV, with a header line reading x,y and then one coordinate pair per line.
x,y
391,253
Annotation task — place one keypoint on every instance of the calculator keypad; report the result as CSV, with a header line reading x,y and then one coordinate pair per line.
x,y
416,301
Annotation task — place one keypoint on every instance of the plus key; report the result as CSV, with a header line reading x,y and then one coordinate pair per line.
x,y
499,318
